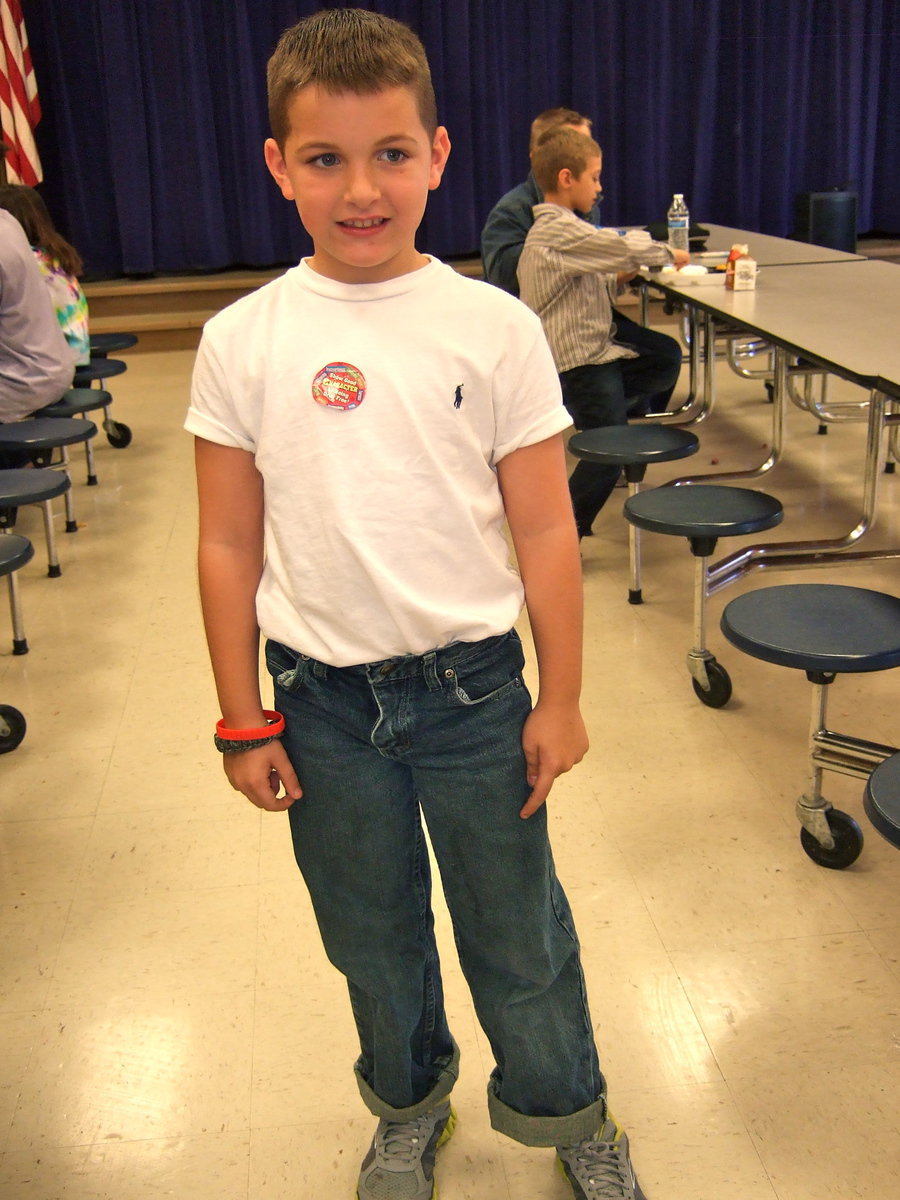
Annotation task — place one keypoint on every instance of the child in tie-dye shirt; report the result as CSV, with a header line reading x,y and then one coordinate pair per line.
x,y
60,264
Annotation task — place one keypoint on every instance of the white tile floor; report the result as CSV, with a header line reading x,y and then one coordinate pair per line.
x,y
168,1023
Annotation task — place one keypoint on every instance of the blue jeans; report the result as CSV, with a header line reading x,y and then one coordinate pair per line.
x,y
602,394
376,747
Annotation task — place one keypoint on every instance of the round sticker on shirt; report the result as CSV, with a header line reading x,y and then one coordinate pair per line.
x,y
339,385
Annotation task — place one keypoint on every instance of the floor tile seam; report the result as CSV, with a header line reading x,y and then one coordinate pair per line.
x,y
83,898
66,1010
498,1141
701,1028
749,756
209,808
790,822
706,1027
261,900
832,878
639,892
139,644
749,1069
50,972
667,954
813,1072
69,896
83,877
776,1194
662,1089
892,967
741,945
13,1111
883,926
40,1148
153,590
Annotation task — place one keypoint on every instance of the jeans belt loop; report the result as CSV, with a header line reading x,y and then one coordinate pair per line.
x,y
429,671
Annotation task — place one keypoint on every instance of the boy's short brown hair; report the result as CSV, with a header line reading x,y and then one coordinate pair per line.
x,y
558,150
348,50
554,118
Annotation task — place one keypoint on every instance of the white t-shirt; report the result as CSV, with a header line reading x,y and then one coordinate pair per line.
x,y
377,414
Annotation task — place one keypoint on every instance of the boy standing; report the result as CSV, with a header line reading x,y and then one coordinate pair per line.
x,y
562,275
363,427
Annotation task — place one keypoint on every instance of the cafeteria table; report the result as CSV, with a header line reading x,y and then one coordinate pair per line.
x,y
839,317
768,251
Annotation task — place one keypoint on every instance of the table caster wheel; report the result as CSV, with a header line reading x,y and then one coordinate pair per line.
x,y
719,691
118,435
12,728
848,842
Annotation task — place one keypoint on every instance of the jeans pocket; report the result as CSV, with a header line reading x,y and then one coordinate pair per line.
x,y
487,675
285,666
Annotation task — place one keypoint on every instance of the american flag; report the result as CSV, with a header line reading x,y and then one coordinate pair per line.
x,y
20,109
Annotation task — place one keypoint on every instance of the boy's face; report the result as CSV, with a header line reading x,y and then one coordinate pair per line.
x,y
586,187
359,169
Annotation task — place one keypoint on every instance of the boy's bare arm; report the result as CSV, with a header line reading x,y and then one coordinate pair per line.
x,y
539,512
230,560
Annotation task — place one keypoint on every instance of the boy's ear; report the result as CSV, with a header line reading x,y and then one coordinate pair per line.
x,y
564,179
277,169
440,152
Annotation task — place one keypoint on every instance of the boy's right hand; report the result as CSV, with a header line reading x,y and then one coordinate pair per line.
x,y
260,775
680,258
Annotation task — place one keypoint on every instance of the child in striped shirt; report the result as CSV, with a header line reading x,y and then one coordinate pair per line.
x,y
564,273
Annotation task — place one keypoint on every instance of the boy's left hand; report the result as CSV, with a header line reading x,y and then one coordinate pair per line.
x,y
554,740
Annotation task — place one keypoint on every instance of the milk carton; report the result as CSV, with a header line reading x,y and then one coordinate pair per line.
x,y
744,274
738,251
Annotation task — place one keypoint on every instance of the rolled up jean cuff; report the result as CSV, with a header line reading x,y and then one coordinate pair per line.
x,y
448,1073
545,1131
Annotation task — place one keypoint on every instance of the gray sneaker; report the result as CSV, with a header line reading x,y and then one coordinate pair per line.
x,y
400,1162
600,1169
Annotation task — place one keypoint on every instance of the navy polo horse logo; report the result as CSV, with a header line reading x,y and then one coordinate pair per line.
x,y
457,403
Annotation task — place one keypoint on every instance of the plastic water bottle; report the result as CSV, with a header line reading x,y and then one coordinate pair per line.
x,y
678,220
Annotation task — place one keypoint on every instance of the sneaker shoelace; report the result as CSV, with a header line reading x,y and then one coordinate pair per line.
x,y
609,1176
399,1144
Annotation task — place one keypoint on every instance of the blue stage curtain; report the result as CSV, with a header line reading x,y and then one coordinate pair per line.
x,y
883,180
787,100
155,115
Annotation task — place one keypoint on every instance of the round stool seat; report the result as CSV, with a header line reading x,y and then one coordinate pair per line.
x,y
617,445
44,433
77,400
881,799
99,368
30,487
15,552
817,627
701,510
107,343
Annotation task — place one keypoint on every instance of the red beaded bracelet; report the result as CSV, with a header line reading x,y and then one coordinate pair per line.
x,y
273,727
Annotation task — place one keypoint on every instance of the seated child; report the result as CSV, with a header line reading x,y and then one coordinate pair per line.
x,y
563,276
60,264
36,362
508,222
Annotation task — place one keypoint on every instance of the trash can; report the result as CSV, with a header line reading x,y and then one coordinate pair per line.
x,y
826,219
